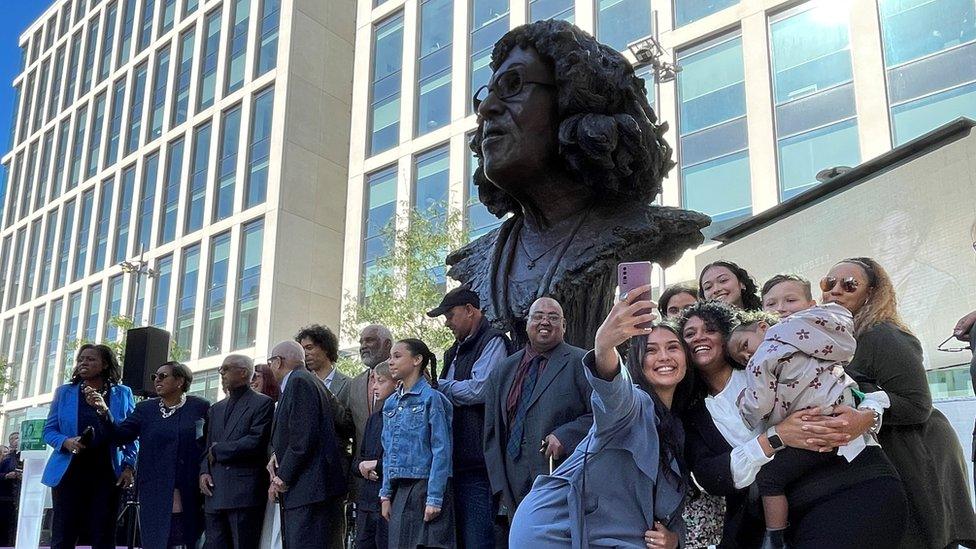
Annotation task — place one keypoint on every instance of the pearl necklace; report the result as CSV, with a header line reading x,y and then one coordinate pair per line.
x,y
167,411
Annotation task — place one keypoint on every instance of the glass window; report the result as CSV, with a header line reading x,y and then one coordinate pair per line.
x,y
56,78
41,95
64,250
81,122
4,256
686,11
145,31
160,81
61,157
814,96
489,21
171,191
71,329
216,294
434,67
48,256
208,61
41,193
90,53
199,168
25,114
71,78
268,31
101,230
125,40
551,9
13,287
34,353
49,31
14,184
248,285
94,308
95,136
29,187
65,19
30,268
227,163
385,84
135,108
5,340
84,231
237,47
181,92
713,142
169,14
113,307
108,39
51,351
147,199
620,22
187,301
928,50
126,190
80,9
115,124
259,149
430,195
17,364
161,284
206,385
13,116
190,6
380,212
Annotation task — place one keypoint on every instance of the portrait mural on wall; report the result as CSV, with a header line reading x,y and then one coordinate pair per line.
x,y
569,146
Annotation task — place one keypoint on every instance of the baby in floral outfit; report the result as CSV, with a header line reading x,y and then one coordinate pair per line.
x,y
793,364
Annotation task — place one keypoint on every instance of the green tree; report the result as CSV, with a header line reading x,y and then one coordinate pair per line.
x,y
7,381
404,284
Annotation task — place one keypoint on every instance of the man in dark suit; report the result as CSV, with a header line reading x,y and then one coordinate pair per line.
x,y
537,407
305,464
232,476
321,353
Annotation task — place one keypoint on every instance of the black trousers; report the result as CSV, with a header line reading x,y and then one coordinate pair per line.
x,y
85,505
869,514
305,527
235,528
791,464
336,509
372,531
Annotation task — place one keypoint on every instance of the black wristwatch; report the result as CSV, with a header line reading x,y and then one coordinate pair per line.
x,y
774,440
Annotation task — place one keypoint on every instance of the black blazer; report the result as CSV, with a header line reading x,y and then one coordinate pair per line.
x,y
708,455
560,405
239,445
303,439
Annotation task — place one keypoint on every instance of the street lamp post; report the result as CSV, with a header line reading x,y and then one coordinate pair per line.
x,y
139,267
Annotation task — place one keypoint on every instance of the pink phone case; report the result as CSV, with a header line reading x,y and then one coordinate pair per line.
x,y
633,275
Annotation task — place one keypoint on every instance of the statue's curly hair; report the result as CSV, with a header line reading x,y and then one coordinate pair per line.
x,y
609,138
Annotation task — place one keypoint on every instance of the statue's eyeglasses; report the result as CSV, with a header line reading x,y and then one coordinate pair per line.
x,y
508,84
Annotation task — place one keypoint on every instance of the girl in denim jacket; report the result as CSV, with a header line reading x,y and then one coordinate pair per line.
x,y
416,452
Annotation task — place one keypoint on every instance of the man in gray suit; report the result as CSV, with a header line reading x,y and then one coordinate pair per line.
x,y
232,476
537,407
321,353
375,343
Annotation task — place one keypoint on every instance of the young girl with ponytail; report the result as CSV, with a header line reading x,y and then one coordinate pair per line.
x,y
417,452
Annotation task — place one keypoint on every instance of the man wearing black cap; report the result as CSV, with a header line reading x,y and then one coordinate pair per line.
x,y
477,349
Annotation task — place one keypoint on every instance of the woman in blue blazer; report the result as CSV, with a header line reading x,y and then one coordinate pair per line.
x,y
85,475
170,430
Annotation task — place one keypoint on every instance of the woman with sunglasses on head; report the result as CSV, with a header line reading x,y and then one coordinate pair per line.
x,y
916,436
843,505
87,469
729,283
170,429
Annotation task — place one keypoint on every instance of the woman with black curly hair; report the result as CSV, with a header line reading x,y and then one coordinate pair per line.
x,y
841,505
727,282
566,143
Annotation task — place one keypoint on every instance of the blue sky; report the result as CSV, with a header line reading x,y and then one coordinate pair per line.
x,y
17,15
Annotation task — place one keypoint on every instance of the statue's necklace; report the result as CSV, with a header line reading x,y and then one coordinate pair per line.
x,y
533,260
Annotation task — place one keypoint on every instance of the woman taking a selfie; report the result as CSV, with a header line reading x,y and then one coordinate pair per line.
x,y
87,469
635,440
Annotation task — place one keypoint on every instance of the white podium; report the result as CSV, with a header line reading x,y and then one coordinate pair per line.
x,y
34,496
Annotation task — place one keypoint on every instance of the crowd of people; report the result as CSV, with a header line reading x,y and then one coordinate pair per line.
x,y
729,415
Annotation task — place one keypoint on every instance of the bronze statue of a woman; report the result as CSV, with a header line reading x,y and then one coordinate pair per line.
x,y
566,143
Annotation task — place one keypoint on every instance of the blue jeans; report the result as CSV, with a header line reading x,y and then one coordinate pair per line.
x,y
474,511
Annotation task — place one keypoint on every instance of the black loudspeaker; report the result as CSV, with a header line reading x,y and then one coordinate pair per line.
x,y
145,350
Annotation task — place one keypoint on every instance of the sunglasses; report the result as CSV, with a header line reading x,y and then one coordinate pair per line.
x,y
942,346
848,284
160,377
